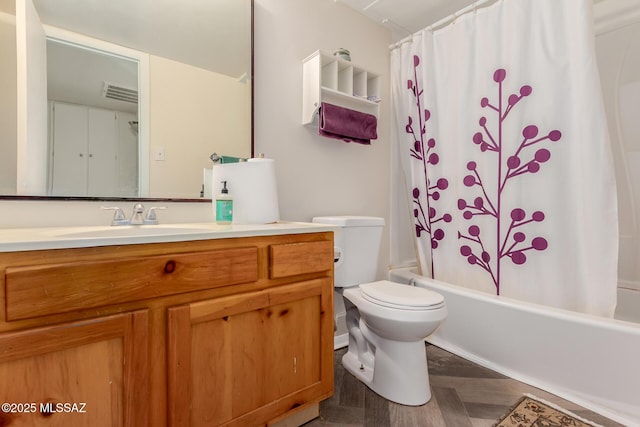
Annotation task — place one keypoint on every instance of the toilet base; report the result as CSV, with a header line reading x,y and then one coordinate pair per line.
x,y
399,372
352,364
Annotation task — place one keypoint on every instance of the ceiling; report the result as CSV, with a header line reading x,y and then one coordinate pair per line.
x,y
78,76
202,33
405,17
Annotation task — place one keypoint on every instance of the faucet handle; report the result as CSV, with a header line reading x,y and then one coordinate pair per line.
x,y
118,215
151,217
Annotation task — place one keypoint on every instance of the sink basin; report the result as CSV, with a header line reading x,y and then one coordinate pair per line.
x,y
135,231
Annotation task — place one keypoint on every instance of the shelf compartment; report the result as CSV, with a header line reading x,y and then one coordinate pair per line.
x,y
329,75
327,78
345,79
373,86
360,83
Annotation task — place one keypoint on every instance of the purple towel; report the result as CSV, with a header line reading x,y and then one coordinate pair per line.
x,y
347,125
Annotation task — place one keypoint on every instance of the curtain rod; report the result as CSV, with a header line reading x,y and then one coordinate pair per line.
x,y
445,21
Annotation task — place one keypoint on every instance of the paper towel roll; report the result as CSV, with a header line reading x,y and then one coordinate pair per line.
x,y
252,186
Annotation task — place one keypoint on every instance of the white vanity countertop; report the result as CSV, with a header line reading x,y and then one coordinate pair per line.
x,y
28,239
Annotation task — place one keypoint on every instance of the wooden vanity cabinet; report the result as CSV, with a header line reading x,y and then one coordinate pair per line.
x,y
233,332
86,373
234,360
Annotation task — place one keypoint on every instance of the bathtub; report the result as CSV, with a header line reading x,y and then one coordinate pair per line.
x,y
591,361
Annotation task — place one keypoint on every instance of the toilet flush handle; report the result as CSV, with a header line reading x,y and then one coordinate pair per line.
x,y
337,256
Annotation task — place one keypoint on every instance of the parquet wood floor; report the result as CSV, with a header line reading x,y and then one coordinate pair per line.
x,y
464,394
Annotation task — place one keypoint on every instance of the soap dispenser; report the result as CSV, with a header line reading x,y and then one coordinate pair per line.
x,y
224,206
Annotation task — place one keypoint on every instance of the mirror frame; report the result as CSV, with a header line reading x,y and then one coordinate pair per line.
x,y
152,199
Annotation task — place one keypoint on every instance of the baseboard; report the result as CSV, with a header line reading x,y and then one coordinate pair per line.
x,y
298,417
340,341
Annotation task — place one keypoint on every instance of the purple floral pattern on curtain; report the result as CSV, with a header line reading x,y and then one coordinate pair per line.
x,y
483,248
423,150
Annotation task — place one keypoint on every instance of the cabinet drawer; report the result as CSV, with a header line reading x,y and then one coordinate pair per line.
x,y
56,288
291,259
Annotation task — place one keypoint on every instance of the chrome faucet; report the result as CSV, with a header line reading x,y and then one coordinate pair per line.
x,y
137,217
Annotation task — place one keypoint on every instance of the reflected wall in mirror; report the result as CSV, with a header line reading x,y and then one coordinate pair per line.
x,y
8,100
194,82
93,122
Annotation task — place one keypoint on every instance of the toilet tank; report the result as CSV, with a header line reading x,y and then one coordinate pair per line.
x,y
356,248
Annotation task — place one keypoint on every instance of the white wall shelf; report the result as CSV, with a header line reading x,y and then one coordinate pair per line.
x,y
326,78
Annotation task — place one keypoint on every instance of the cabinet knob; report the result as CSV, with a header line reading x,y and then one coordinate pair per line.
x,y
170,266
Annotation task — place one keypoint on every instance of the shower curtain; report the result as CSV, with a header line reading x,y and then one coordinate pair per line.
x,y
504,144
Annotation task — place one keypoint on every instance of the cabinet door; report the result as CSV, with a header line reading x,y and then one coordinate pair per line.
x,y
87,373
69,161
101,173
84,151
246,359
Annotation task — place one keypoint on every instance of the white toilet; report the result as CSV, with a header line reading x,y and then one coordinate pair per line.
x,y
387,322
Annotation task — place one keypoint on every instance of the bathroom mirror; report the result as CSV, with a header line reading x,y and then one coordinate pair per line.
x,y
194,63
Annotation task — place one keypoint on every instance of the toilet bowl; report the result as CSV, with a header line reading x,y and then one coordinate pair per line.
x,y
386,322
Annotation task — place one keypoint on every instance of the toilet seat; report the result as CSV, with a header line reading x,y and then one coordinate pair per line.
x,y
399,296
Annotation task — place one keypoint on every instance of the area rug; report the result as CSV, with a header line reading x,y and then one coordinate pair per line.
x,y
534,412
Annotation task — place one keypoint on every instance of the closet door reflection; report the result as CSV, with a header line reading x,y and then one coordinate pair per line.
x,y
93,116
94,152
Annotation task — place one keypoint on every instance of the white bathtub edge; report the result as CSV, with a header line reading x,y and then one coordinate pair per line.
x,y
625,413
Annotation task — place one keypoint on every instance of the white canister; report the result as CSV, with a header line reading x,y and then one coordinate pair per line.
x,y
253,186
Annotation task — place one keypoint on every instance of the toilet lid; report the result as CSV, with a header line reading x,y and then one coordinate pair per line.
x,y
401,296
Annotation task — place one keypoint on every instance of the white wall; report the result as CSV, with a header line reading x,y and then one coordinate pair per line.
x,y
618,54
41,213
194,113
31,100
8,119
319,176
